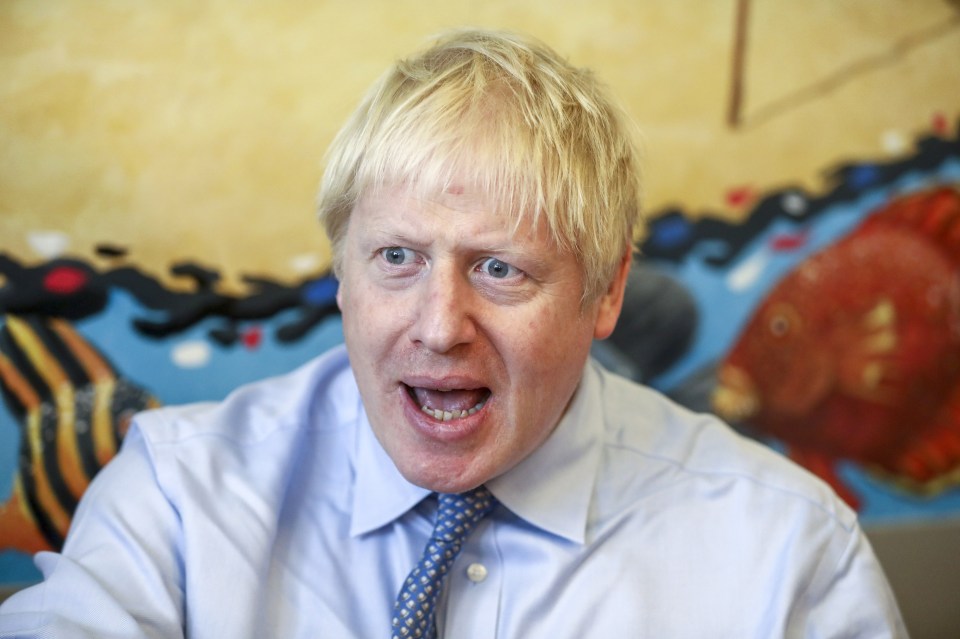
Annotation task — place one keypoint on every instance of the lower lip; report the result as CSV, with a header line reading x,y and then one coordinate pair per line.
x,y
450,432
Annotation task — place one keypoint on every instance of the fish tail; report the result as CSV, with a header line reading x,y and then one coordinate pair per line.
x,y
19,529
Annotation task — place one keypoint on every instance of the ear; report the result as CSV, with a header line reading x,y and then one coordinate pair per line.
x,y
340,295
609,305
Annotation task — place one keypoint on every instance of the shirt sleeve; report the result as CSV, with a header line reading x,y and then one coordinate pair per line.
x,y
849,596
120,573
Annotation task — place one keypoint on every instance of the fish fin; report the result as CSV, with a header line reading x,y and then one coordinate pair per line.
x,y
52,360
869,370
18,529
935,213
824,467
931,464
30,408
882,317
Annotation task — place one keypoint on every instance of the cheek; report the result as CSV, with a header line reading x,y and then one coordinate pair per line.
x,y
360,319
358,301
563,335
549,357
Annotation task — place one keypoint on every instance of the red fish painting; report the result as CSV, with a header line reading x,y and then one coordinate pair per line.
x,y
855,354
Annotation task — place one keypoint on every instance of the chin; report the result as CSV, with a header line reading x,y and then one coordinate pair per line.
x,y
442,475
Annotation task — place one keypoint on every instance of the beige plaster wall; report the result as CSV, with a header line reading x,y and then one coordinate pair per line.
x,y
186,129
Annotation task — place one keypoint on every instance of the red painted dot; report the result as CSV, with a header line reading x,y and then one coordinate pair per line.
x,y
940,124
740,196
252,337
788,241
64,280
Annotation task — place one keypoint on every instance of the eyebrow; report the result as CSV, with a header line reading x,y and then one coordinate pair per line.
x,y
389,233
392,238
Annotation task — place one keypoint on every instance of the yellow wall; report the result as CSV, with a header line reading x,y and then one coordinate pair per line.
x,y
195,129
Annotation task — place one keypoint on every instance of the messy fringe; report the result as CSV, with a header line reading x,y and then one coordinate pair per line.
x,y
504,114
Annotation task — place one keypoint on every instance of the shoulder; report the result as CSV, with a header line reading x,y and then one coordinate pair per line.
x,y
260,440
684,494
699,456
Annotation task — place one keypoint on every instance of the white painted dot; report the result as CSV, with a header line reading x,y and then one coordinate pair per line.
x,y
476,572
305,263
894,142
746,274
193,354
793,203
48,244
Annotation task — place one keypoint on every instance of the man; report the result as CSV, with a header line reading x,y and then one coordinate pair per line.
x,y
481,204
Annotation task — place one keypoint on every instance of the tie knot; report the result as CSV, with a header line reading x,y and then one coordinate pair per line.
x,y
457,514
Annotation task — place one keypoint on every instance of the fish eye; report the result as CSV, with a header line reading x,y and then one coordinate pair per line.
x,y
782,320
779,325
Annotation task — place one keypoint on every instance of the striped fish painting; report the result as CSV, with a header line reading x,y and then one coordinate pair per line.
x,y
73,409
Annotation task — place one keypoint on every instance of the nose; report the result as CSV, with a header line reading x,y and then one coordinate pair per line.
x,y
444,316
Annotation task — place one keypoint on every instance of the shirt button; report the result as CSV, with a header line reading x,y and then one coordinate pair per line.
x,y
476,573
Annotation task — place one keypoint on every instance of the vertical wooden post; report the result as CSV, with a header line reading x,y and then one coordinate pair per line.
x,y
739,58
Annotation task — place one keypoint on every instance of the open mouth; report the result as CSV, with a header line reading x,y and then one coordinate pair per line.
x,y
450,404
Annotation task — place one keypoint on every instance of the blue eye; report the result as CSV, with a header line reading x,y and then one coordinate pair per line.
x,y
497,268
395,254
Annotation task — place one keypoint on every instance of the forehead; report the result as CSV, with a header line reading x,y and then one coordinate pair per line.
x,y
455,208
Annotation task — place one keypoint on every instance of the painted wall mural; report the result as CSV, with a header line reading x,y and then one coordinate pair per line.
x,y
800,275
855,354
826,323
72,405
830,327
69,336
73,409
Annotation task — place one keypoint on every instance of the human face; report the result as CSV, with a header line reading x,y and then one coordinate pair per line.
x,y
467,340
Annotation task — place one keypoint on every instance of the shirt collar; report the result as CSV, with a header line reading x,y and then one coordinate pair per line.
x,y
552,488
381,493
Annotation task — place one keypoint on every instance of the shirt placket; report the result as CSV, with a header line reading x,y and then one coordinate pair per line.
x,y
471,608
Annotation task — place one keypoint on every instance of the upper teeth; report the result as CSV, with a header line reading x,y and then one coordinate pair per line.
x,y
447,415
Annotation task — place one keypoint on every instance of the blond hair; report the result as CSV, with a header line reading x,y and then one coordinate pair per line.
x,y
505,112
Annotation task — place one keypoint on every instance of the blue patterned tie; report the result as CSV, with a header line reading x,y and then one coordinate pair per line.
x,y
414,611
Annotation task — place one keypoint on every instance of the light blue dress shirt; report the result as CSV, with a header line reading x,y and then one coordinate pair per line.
x,y
276,513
